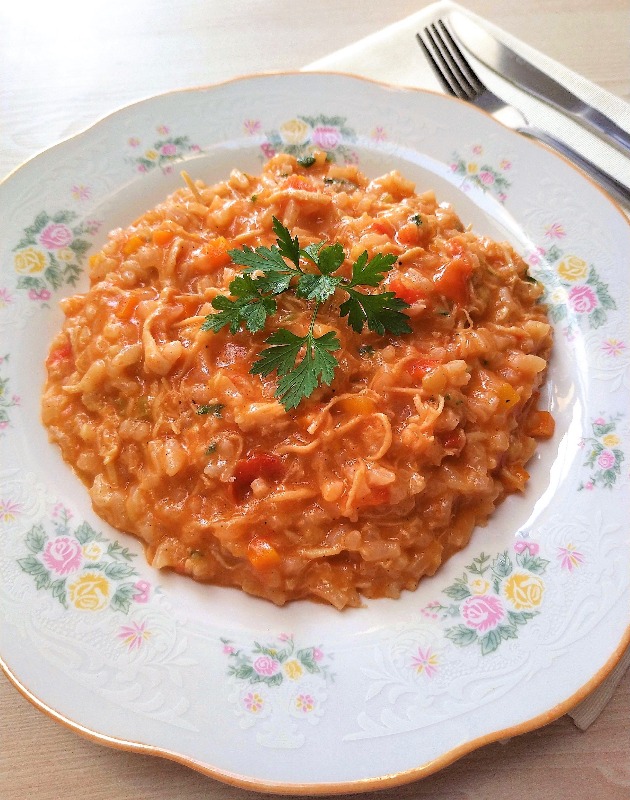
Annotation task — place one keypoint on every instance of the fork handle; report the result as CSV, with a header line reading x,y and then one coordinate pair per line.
x,y
617,189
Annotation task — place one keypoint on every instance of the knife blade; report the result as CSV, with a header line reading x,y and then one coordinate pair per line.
x,y
501,59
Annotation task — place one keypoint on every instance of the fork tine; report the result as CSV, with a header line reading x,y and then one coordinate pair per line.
x,y
466,89
447,68
438,69
449,63
467,71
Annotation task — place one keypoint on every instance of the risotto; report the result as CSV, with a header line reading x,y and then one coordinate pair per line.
x,y
371,481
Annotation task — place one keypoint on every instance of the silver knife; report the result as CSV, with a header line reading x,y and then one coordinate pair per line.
x,y
505,62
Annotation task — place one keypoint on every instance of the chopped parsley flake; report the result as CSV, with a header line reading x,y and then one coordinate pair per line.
x,y
216,409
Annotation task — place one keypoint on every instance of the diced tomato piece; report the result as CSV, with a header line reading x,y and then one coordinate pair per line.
x,y
515,477
453,440
541,425
61,353
408,294
299,182
216,251
385,227
257,465
212,256
378,496
419,367
162,237
358,406
451,280
127,307
507,394
409,234
133,244
262,554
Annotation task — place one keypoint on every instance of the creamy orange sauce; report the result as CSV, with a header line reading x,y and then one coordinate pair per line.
x,y
371,482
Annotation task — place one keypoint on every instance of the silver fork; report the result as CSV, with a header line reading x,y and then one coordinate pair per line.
x,y
460,80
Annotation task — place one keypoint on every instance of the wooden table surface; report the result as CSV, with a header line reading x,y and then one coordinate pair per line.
x,y
63,65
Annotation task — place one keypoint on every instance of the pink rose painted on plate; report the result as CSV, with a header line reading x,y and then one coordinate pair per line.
x,y
264,665
168,150
55,235
606,460
63,555
487,178
583,299
327,137
482,612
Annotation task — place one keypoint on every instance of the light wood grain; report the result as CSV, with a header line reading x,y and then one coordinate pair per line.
x,y
62,66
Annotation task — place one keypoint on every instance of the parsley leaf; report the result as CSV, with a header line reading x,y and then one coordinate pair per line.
x,y
251,308
317,287
288,247
316,366
381,312
262,258
330,258
371,273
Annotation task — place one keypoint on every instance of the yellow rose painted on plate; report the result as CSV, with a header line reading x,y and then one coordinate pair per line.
x,y
293,669
151,155
524,591
610,440
90,592
295,131
29,261
573,268
473,168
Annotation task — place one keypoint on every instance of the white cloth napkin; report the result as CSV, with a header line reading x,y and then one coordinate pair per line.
x,y
392,55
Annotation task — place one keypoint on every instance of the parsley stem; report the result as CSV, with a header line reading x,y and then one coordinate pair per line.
x,y
312,325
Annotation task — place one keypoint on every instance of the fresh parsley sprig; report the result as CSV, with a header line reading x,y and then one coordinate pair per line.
x,y
304,362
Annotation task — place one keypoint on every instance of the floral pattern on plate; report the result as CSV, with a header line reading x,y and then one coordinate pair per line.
x,y
573,287
8,401
162,152
80,567
303,135
603,454
474,169
493,598
280,684
51,253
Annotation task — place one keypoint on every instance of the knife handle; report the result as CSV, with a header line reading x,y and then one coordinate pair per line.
x,y
614,187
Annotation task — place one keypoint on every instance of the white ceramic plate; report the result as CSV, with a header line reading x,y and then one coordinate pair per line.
x,y
509,634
